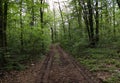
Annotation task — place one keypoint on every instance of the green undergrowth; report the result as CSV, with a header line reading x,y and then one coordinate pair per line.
x,y
18,61
102,60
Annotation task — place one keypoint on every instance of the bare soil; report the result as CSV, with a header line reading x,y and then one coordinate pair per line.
x,y
57,67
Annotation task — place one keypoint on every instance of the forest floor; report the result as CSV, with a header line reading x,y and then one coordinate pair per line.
x,y
56,67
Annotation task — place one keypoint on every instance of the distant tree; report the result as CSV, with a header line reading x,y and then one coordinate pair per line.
x,y
61,13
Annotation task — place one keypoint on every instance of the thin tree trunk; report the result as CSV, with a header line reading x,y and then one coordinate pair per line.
x,y
61,17
41,21
21,26
86,18
41,14
97,22
68,19
78,13
52,34
114,30
55,31
5,23
1,25
33,15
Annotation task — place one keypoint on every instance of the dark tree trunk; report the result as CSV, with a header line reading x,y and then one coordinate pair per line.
x,y
114,30
97,22
92,41
21,26
33,15
42,21
41,14
5,23
1,25
52,34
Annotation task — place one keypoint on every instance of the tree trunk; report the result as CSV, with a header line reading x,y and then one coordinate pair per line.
x,y
86,19
5,23
1,25
61,17
55,31
41,14
21,26
78,13
41,21
92,41
114,30
97,22
52,35
68,20
32,14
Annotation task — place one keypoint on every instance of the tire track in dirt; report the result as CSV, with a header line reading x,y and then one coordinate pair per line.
x,y
87,77
43,76
59,67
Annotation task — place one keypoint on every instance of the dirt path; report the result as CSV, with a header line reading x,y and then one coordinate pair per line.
x,y
59,67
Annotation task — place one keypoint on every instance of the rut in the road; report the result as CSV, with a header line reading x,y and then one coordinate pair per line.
x,y
59,67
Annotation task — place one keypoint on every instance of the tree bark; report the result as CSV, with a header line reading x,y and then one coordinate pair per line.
x,y
32,14
1,25
5,23
114,30
42,21
41,14
52,34
21,26
97,22
92,41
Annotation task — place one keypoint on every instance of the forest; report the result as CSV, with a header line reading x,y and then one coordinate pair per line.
x,y
54,33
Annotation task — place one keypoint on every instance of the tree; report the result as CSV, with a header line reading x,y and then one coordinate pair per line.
x,y
97,22
63,25
1,25
90,11
68,20
21,25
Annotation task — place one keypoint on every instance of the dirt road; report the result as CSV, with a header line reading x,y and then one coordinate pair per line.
x,y
59,67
